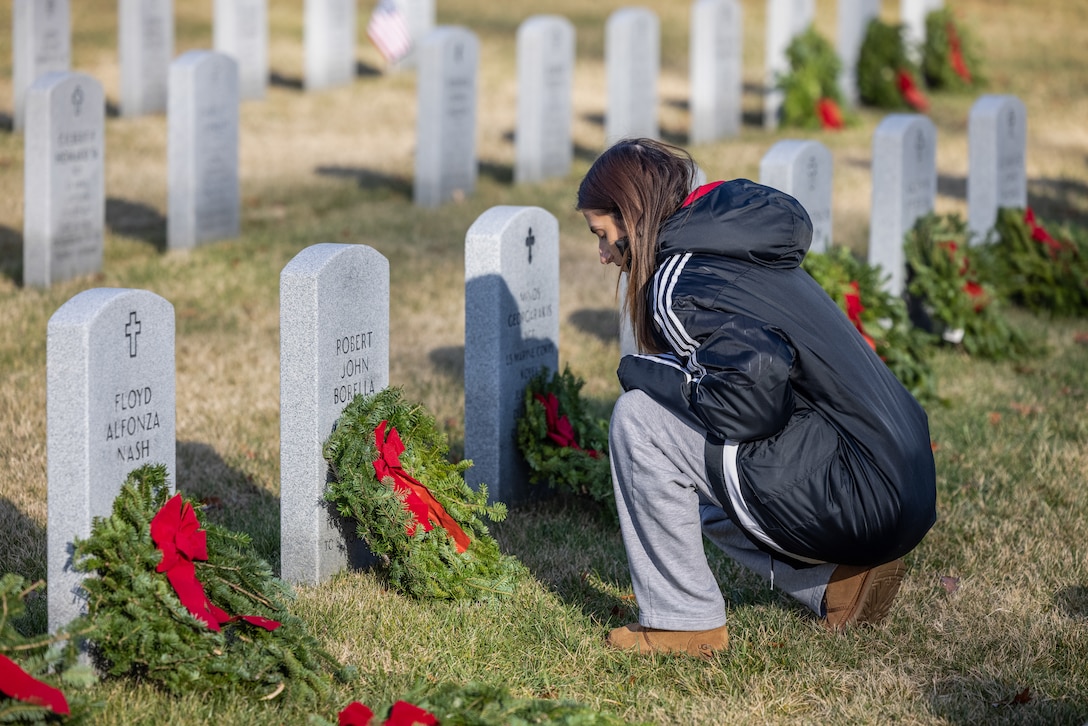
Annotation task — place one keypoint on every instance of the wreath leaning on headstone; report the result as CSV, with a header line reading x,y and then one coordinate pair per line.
x,y
564,445
886,75
880,317
411,505
950,60
1033,268
943,279
188,606
812,97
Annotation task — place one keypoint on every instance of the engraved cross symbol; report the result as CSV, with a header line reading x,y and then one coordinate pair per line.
x,y
529,242
132,329
77,99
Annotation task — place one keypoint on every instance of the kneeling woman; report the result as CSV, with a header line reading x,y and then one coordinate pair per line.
x,y
754,413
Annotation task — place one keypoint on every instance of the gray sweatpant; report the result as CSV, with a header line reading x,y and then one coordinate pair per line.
x,y
666,506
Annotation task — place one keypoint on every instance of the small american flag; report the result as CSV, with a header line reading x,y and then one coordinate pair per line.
x,y
388,30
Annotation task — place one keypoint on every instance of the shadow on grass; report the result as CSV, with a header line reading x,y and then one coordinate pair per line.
x,y
23,552
231,497
996,700
1073,601
369,179
133,219
11,254
1059,200
602,324
449,360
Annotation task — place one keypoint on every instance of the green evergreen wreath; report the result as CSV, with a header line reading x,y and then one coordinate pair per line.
x,y
138,627
1035,270
423,564
942,275
879,316
582,469
51,660
813,99
950,59
882,59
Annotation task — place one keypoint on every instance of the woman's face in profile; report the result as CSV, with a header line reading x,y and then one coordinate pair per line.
x,y
608,231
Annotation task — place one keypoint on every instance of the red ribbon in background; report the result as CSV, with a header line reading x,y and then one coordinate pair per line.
x,y
955,52
830,114
177,533
910,92
1041,235
974,290
20,685
417,498
401,714
854,309
559,427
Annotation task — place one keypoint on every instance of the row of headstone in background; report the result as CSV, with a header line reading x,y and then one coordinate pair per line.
x,y
64,197
111,398
715,61
632,51
803,169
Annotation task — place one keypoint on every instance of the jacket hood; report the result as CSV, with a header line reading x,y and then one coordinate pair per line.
x,y
742,220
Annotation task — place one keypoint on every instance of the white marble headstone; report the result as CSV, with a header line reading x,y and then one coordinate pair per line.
x,y
64,191
445,162
511,331
904,189
997,161
545,86
204,197
803,169
241,31
146,40
334,345
41,43
110,406
717,40
786,19
853,18
632,48
328,38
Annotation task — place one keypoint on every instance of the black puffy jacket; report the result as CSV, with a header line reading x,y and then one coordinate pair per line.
x,y
834,460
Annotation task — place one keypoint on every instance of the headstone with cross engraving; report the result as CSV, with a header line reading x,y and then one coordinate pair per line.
x,y
511,331
545,87
204,198
334,345
632,58
717,40
110,408
64,193
904,189
329,39
41,43
146,39
445,163
852,22
419,15
241,31
802,169
786,19
997,161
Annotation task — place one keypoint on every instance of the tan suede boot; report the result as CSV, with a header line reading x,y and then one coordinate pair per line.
x,y
857,595
699,643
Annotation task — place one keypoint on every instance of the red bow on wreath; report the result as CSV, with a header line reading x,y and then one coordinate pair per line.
x,y
559,427
974,290
910,91
20,685
417,498
177,533
955,53
830,114
1041,235
401,714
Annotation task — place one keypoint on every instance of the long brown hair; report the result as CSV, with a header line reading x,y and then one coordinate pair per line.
x,y
640,183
